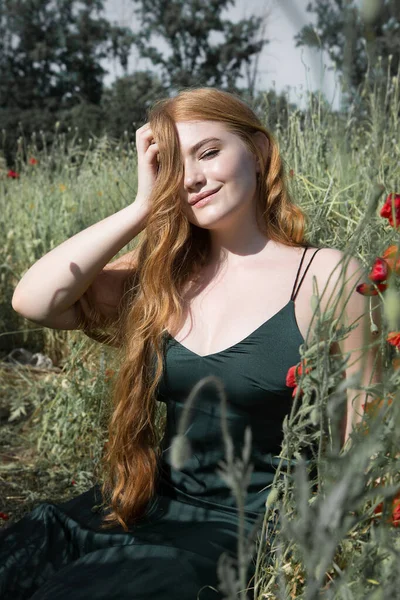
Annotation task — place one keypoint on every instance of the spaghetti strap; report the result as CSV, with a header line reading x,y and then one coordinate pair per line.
x,y
293,296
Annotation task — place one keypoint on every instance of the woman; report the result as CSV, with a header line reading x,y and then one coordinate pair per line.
x,y
220,284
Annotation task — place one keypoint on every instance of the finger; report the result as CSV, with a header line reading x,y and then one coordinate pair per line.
x,y
143,127
145,139
144,133
148,135
152,151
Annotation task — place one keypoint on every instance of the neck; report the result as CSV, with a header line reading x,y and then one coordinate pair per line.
x,y
235,244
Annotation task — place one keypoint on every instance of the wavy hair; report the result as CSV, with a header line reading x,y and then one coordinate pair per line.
x,y
171,251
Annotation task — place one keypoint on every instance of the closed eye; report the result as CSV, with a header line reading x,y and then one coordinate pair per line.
x,y
210,154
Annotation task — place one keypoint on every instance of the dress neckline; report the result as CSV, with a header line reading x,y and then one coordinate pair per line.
x,y
291,302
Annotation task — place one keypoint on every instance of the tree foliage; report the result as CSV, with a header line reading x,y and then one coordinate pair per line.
x,y
52,55
200,47
355,37
127,101
51,52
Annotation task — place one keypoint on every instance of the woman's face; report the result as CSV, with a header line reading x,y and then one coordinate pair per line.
x,y
215,160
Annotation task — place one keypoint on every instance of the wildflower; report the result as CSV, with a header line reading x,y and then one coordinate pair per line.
x,y
73,482
373,406
62,187
293,375
33,161
4,516
396,512
12,174
386,210
366,289
380,270
392,257
394,339
394,519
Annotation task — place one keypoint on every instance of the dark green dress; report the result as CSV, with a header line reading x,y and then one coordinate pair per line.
x,y
59,552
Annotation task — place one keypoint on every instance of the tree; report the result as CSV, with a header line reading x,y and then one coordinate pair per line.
x,y
127,101
51,52
354,38
193,59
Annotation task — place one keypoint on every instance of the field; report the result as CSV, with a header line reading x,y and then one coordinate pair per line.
x,y
340,168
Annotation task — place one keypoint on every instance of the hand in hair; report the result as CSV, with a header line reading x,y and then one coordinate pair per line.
x,y
147,152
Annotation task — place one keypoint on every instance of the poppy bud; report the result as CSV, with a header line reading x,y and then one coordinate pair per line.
x,y
370,290
380,270
180,451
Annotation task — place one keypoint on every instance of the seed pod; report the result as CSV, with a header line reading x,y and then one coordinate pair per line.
x,y
314,416
314,349
370,10
180,451
272,497
314,302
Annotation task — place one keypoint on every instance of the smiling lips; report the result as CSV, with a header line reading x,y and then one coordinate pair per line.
x,y
199,197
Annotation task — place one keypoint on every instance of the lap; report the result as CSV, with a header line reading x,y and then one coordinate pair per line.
x,y
61,552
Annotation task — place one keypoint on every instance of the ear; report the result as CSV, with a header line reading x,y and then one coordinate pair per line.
x,y
262,142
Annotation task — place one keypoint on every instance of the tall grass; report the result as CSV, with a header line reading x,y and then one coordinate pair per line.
x,y
327,543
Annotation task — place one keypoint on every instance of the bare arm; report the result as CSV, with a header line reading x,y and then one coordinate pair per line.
x,y
50,292
363,346
72,280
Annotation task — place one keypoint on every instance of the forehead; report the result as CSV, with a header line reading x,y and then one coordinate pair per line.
x,y
191,132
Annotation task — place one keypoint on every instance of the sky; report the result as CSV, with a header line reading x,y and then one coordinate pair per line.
x,y
281,64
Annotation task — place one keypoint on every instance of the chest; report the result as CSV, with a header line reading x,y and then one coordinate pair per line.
x,y
222,310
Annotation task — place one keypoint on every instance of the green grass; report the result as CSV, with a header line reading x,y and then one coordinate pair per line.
x,y
337,161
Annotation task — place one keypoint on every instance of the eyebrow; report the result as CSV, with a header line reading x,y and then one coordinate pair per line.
x,y
197,146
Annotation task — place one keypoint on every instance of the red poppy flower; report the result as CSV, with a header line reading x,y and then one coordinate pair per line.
x,y
12,174
4,516
396,512
386,210
293,375
73,482
380,270
366,289
395,516
392,258
33,161
394,339
290,377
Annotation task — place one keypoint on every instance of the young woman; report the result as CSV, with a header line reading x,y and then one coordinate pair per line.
x,y
219,284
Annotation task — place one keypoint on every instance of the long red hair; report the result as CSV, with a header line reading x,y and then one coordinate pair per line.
x,y
171,251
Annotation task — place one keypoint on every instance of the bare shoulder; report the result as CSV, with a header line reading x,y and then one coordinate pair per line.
x,y
338,275
335,268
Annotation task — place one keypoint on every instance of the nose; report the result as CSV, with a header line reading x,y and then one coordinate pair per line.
x,y
193,175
